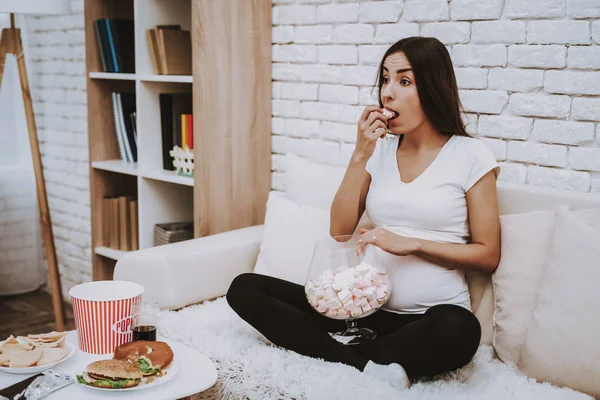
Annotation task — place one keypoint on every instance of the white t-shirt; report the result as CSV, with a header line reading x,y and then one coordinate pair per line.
x,y
431,207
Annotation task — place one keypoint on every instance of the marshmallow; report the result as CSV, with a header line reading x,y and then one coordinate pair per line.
x,y
388,113
344,295
356,311
363,267
349,305
329,294
333,304
347,292
370,293
362,283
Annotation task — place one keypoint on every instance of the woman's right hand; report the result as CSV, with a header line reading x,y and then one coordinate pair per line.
x,y
372,125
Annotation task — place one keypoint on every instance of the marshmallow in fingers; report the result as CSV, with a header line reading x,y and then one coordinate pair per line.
x,y
388,113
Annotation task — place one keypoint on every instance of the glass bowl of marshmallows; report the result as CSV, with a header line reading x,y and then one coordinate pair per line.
x,y
347,284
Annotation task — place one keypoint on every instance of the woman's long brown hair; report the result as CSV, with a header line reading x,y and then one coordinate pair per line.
x,y
435,80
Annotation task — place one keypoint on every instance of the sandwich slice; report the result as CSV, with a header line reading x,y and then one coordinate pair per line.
x,y
151,357
111,374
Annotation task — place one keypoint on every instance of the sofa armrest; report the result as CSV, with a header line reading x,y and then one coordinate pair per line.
x,y
184,273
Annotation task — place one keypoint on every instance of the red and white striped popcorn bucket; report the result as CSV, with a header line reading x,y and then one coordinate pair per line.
x,y
103,312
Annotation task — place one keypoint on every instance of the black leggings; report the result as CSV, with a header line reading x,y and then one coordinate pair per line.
x,y
444,338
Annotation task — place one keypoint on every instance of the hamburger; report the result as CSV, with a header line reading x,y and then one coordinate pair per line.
x,y
110,374
151,357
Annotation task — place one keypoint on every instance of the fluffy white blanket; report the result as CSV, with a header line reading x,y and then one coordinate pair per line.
x,y
249,366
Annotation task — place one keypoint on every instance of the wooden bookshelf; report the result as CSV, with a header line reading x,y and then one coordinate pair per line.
x,y
231,86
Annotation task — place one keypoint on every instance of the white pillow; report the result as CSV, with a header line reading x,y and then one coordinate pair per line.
x,y
311,184
315,185
291,232
562,340
525,242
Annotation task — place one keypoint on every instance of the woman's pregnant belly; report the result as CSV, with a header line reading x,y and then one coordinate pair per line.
x,y
418,284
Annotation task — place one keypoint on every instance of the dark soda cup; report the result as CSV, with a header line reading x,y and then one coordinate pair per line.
x,y
144,332
145,321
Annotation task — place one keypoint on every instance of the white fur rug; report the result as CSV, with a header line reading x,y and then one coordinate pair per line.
x,y
250,367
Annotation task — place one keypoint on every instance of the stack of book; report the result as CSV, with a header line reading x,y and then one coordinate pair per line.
x,y
124,115
120,223
170,50
177,124
116,44
173,232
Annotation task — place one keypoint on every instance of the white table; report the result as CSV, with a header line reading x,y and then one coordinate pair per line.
x,y
196,373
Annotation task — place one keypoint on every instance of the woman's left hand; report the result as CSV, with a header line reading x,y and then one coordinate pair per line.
x,y
387,241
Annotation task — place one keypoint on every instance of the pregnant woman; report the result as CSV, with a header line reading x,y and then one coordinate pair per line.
x,y
430,191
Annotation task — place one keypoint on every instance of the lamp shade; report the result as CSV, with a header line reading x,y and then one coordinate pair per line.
x,y
37,7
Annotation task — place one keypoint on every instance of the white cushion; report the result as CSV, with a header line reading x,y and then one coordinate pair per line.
x,y
311,184
290,234
524,251
562,341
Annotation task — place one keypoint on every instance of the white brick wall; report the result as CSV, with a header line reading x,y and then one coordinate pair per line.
x,y
56,54
528,73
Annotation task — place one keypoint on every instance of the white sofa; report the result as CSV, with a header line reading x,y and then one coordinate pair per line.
x,y
186,273
193,271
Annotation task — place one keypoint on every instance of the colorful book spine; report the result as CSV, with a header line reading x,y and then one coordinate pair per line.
x,y
111,44
190,131
184,139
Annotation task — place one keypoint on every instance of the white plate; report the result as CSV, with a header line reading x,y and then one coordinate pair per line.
x,y
171,372
35,370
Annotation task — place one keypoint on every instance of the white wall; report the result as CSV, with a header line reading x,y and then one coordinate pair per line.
x,y
56,53
528,73
528,70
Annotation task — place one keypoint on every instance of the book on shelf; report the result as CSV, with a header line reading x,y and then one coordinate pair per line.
x,y
120,223
170,50
124,111
176,124
116,44
173,232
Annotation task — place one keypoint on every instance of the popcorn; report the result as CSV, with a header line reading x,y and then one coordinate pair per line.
x,y
346,292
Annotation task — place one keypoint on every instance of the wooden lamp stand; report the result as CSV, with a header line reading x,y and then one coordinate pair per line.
x,y
10,43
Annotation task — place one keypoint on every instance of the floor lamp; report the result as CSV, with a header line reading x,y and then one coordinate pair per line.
x,y
10,43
